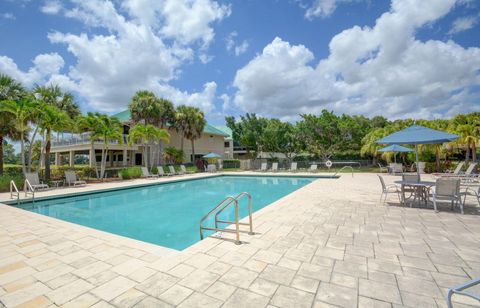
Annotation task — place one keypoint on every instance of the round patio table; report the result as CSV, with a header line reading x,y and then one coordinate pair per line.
x,y
420,190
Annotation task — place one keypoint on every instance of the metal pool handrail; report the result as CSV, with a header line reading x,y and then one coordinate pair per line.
x,y
28,188
230,200
344,168
13,187
250,219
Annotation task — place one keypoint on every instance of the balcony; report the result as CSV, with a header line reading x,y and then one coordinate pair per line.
x,y
83,139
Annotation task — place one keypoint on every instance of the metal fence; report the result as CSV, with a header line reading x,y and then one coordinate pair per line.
x,y
253,164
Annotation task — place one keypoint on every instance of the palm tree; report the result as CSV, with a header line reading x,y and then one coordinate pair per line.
x,y
166,116
194,123
144,107
148,135
11,90
51,119
89,124
52,95
180,124
467,127
22,111
108,129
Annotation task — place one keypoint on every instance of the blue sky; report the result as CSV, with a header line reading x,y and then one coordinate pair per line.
x,y
277,58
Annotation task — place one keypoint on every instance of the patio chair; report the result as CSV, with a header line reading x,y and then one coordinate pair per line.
x,y
161,171
396,168
211,168
471,190
314,168
147,174
382,168
35,183
71,179
460,290
293,167
263,167
447,190
457,169
184,170
274,167
172,171
387,189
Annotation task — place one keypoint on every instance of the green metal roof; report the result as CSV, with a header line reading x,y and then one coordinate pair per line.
x,y
225,129
125,116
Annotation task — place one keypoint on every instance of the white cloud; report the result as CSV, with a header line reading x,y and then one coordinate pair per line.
x,y
7,15
382,70
463,23
321,8
233,46
138,49
51,7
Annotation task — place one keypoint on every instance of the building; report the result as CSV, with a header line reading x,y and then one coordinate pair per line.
x,y
232,148
123,155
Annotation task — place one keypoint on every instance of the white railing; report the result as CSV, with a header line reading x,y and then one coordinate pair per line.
x,y
28,188
14,191
84,139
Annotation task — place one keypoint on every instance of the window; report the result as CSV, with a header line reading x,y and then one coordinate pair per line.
x,y
227,144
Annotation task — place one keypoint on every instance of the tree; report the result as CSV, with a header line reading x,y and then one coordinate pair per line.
x,y
144,107
166,116
194,123
22,111
248,131
107,129
148,136
467,126
53,96
321,135
279,137
51,119
9,156
173,155
90,124
10,90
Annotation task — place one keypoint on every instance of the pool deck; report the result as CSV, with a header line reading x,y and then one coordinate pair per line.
x,y
328,244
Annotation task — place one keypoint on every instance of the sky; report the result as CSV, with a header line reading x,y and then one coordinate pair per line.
x,y
276,58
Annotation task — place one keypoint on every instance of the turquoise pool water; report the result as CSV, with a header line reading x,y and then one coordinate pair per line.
x,y
165,214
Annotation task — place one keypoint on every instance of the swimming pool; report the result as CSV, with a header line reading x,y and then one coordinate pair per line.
x,y
166,214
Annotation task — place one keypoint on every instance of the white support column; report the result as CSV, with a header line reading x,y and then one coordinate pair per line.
x,y
58,161
91,157
71,158
125,153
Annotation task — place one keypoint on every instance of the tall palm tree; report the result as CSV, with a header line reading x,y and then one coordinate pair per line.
x,y
89,124
144,107
180,124
52,95
194,124
52,119
467,127
148,136
108,129
11,90
22,111
166,116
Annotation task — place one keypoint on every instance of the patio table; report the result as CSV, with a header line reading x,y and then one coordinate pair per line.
x,y
420,190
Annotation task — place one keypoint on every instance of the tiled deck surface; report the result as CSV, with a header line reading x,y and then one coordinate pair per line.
x,y
329,244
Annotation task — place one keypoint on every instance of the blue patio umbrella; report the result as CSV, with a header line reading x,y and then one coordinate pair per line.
x,y
395,148
416,135
212,155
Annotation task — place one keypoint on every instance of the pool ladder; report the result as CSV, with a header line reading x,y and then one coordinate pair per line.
x,y
27,187
222,206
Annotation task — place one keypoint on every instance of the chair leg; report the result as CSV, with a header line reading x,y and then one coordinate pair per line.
x,y
435,204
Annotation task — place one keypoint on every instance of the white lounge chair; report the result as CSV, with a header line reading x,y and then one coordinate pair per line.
x,y
388,189
211,168
172,170
32,178
72,180
451,173
449,190
382,168
471,190
263,167
468,174
293,167
161,171
314,168
147,174
274,167
184,170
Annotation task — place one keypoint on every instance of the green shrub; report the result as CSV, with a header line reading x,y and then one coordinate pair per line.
x,y
231,163
130,173
5,182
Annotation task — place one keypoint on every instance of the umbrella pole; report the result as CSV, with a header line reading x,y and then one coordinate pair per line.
x,y
416,156
395,157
